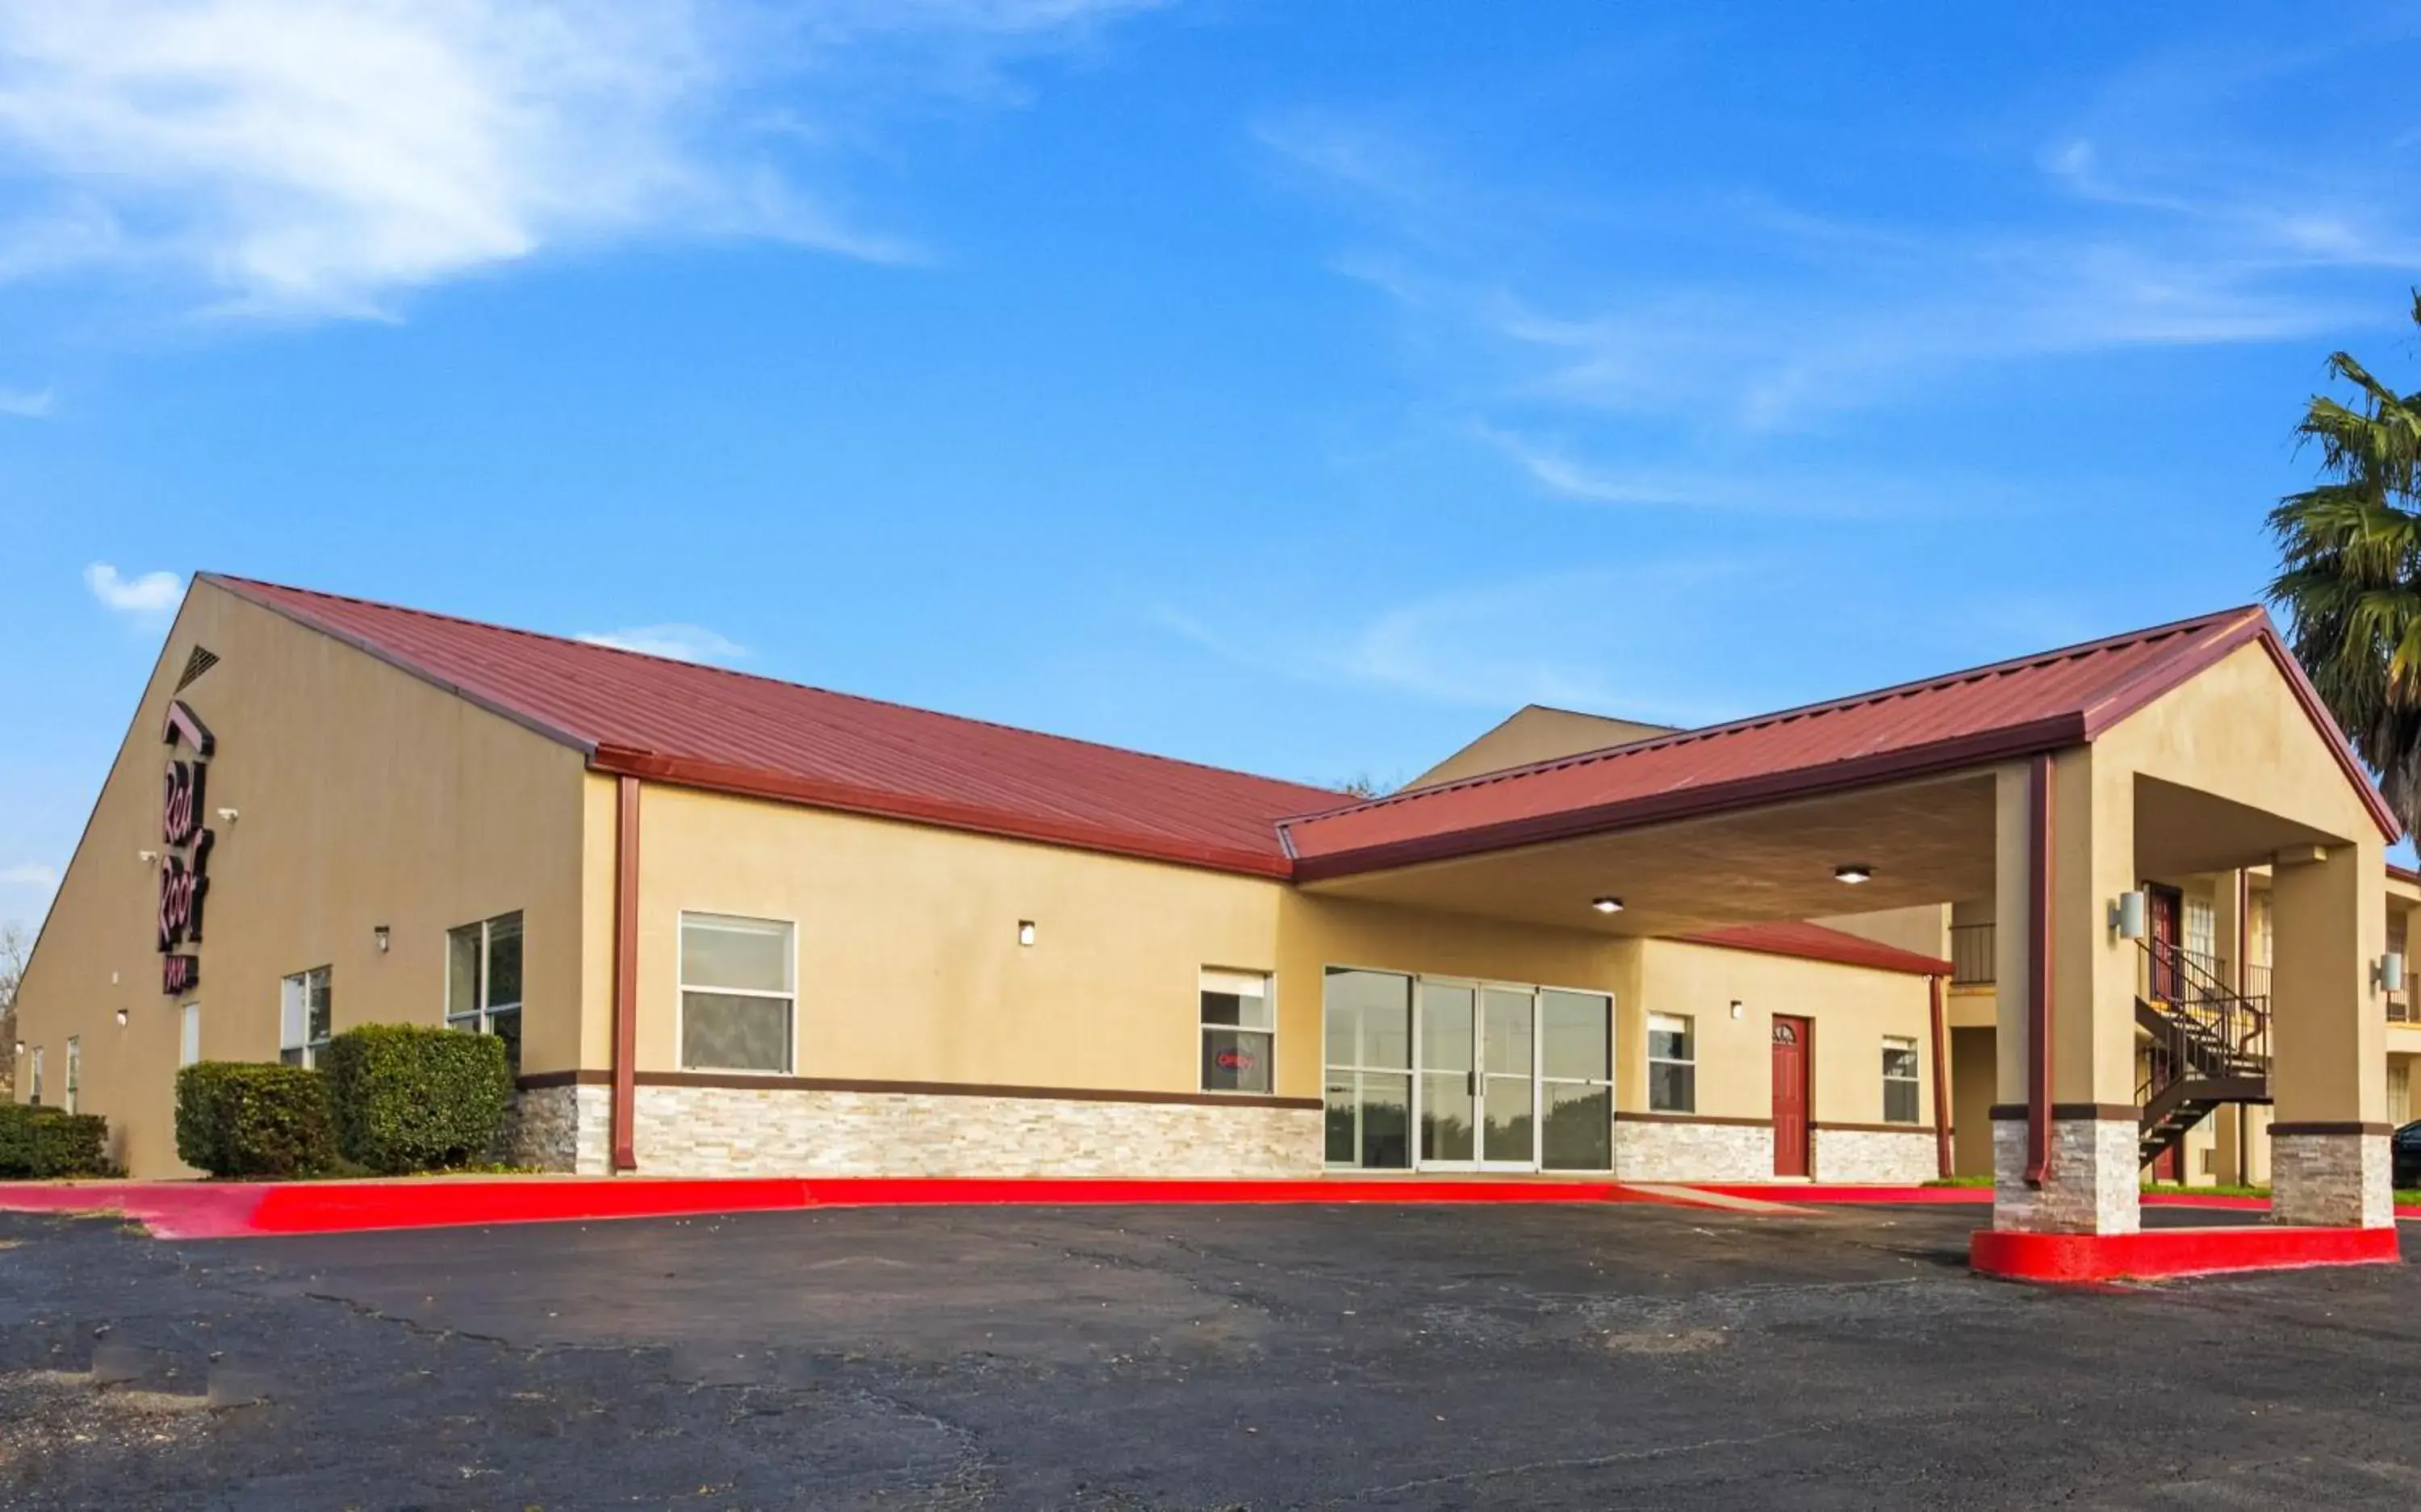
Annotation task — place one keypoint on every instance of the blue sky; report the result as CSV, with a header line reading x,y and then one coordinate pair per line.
x,y
1292,386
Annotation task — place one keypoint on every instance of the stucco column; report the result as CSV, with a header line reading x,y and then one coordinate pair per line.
x,y
2052,912
2327,1028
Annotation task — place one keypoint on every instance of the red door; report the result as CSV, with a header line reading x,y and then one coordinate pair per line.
x,y
1790,1037
2165,908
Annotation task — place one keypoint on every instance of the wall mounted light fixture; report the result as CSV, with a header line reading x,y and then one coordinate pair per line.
x,y
121,1018
2387,971
1736,1008
146,857
229,816
382,932
2126,916
1025,931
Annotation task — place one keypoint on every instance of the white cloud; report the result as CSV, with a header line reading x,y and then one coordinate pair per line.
x,y
316,157
27,404
681,642
30,874
149,596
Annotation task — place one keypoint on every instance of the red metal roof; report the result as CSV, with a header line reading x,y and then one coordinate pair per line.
x,y
706,726
1816,942
1964,719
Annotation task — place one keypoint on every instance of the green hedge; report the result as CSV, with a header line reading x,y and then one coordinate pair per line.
x,y
409,1097
42,1141
237,1118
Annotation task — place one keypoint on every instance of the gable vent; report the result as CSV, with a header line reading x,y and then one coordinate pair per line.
x,y
201,661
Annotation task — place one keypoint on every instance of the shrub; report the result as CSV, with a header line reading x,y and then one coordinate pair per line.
x,y
44,1141
240,1118
409,1097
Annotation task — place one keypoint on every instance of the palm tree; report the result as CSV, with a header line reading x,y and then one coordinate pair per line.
x,y
2349,573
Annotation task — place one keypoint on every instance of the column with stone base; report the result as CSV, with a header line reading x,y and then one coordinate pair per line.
x,y
2329,1161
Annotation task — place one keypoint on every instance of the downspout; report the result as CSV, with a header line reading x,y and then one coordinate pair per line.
x,y
626,968
2038,964
1941,1082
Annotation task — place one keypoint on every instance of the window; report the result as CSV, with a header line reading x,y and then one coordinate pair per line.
x,y
1672,1063
1369,1080
189,1035
1239,1031
483,981
34,1077
303,1011
1576,1080
1900,1079
75,1073
736,994
2202,932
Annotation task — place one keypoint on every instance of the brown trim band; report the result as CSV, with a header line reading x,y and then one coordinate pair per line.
x,y
2276,1130
917,1089
1623,1115
1824,1125
2114,1112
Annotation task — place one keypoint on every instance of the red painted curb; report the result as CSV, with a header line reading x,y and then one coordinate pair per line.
x,y
1785,1192
2070,1258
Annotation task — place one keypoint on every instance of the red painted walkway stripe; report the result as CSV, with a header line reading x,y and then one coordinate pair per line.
x,y
2174,1252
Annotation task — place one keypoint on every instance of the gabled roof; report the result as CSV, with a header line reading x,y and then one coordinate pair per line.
x,y
1964,719
708,727
1819,942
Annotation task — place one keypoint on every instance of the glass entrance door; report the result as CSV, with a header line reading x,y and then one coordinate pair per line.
x,y
1508,1080
1478,1076
1449,1073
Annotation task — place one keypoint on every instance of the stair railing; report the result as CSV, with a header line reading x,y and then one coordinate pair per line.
x,y
2208,1028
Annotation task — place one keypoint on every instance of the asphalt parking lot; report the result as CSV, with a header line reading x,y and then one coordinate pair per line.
x,y
1181,1357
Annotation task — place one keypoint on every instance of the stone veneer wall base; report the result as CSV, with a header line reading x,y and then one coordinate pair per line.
x,y
1876,1156
561,1128
722,1130
1691,1152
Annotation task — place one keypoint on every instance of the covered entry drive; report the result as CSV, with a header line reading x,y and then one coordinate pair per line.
x,y
1453,1074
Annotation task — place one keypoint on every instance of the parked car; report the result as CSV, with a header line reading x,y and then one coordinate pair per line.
x,y
2406,1159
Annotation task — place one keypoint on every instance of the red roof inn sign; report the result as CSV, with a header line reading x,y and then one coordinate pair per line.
x,y
184,869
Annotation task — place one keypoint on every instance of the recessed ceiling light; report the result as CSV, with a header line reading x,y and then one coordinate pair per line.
x,y
1854,872
1607,905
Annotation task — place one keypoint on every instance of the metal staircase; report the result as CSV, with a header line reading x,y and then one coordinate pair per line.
x,y
2209,1045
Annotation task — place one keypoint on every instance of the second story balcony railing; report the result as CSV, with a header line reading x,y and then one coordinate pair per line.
x,y
1971,955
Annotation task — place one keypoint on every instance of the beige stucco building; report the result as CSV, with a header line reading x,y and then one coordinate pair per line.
x,y
733,925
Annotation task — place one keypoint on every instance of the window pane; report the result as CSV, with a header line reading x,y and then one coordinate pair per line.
x,y
1447,1116
1899,1058
507,1026
462,969
1370,1018
504,961
294,1020
1672,1087
321,1010
1580,1128
753,954
1235,1060
1668,1037
1508,1020
1446,1027
1579,1038
1900,1102
1343,1120
735,1034
1240,1009
1386,1121
1506,1131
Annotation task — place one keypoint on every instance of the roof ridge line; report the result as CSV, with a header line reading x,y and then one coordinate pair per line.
x,y
2000,668
237,584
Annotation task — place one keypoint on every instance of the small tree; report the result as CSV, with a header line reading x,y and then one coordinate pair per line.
x,y
16,947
